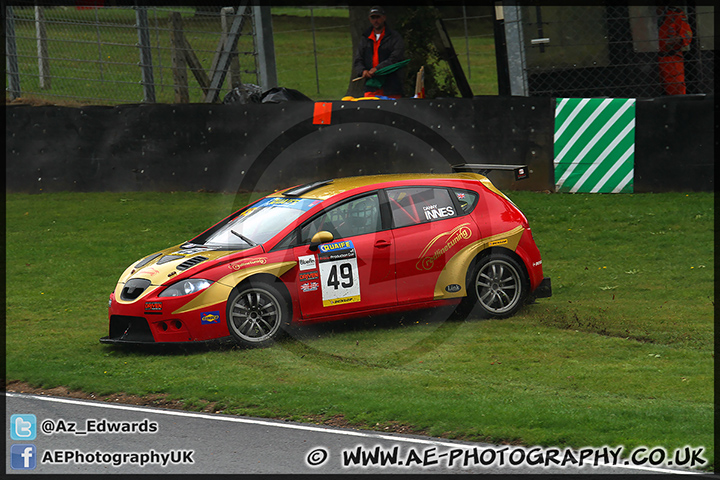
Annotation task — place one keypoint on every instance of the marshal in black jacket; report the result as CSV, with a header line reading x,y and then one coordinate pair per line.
x,y
392,50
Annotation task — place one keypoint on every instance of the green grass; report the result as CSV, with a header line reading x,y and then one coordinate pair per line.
x,y
621,354
84,72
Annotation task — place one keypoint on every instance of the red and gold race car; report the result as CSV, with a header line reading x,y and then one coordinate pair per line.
x,y
332,250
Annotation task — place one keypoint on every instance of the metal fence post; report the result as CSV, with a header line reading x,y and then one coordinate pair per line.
x,y
467,41
317,77
265,46
235,79
517,66
42,48
99,44
13,72
223,61
177,57
146,66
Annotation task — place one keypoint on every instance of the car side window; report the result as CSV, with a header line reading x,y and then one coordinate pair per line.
x,y
356,217
412,206
467,198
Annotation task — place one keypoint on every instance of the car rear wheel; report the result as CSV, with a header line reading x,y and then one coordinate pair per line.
x,y
257,314
498,285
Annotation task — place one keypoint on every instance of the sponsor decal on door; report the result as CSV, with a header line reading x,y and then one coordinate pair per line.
x,y
339,278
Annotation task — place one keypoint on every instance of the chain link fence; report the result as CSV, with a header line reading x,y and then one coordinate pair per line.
x,y
115,55
471,33
604,50
111,55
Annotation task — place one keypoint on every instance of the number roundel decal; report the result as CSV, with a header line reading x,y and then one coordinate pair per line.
x,y
339,273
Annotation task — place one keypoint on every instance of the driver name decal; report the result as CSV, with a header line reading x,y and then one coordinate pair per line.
x,y
433,212
339,280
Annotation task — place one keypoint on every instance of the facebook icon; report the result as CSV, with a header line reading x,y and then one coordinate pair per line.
x,y
22,457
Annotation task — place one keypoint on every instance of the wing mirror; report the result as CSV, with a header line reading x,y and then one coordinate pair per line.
x,y
319,238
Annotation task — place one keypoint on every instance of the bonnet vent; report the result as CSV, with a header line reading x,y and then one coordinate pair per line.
x,y
191,262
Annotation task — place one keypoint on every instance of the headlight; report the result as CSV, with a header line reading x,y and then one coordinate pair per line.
x,y
186,287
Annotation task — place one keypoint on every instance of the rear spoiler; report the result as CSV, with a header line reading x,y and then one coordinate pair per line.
x,y
521,171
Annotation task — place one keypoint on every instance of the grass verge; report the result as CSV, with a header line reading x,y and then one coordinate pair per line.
x,y
622,354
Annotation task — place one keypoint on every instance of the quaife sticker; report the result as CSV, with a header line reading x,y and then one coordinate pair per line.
x,y
339,279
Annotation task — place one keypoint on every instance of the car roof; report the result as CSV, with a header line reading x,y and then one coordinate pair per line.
x,y
325,189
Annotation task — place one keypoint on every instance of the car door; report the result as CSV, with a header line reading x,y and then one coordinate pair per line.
x,y
354,271
429,227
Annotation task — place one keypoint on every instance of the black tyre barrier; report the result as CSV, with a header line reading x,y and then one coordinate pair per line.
x,y
235,148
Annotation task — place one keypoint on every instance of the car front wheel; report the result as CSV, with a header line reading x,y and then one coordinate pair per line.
x,y
498,285
256,314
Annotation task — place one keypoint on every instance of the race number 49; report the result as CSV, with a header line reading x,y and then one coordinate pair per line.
x,y
339,273
345,277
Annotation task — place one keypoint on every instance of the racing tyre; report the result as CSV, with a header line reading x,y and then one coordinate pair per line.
x,y
498,285
257,314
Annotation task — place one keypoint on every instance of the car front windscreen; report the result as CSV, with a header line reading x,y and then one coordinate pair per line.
x,y
259,223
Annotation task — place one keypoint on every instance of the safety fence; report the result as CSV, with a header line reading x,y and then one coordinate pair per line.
x,y
112,54
607,50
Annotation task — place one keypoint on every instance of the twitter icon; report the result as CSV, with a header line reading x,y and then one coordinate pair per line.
x,y
23,427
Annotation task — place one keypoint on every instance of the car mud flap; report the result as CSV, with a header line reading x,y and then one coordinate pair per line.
x,y
543,290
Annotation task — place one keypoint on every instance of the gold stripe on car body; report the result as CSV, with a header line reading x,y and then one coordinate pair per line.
x,y
426,260
219,291
340,185
455,271
159,274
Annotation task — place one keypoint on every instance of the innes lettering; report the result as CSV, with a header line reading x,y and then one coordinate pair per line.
x,y
431,213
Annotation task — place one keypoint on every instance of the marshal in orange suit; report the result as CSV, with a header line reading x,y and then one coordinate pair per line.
x,y
674,35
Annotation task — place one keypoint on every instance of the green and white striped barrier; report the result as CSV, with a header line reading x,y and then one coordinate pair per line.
x,y
594,145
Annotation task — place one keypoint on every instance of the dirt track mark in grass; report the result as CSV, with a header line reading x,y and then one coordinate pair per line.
x,y
572,321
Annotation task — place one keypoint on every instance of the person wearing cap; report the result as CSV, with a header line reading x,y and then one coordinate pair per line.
x,y
379,47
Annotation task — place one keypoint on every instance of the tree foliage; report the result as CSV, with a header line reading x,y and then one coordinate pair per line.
x,y
418,28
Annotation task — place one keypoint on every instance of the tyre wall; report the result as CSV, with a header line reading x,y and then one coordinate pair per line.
x,y
261,147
